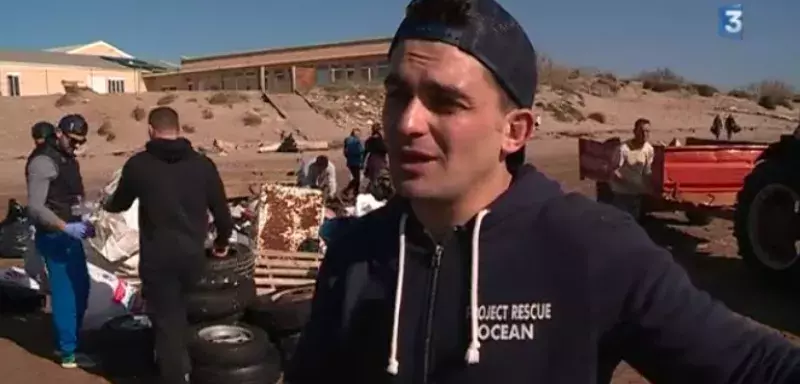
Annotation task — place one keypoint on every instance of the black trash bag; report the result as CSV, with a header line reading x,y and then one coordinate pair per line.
x,y
16,234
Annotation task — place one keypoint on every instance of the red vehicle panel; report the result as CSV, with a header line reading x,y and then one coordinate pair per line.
x,y
701,175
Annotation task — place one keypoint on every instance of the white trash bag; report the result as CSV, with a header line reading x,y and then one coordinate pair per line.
x,y
117,234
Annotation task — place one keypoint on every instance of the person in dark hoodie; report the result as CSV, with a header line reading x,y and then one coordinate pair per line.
x,y
176,187
55,205
476,274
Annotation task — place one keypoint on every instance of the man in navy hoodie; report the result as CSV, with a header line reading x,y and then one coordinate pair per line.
x,y
482,272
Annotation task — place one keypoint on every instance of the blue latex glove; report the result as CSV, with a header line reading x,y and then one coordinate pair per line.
x,y
77,230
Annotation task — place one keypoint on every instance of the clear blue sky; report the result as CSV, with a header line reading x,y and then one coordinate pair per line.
x,y
624,36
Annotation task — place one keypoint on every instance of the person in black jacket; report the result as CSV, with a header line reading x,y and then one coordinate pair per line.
x,y
475,274
176,187
375,154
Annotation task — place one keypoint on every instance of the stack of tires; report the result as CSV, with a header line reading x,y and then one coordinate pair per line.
x,y
225,289
222,349
232,354
282,315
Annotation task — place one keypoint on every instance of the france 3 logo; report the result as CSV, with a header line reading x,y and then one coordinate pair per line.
x,y
730,22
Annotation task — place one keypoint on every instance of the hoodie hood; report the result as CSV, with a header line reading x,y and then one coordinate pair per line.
x,y
525,197
170,150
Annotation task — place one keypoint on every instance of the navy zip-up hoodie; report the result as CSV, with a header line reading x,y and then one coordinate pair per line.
x,y
540,287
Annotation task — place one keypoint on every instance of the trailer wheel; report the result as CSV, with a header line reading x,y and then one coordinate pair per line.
x,y
766,223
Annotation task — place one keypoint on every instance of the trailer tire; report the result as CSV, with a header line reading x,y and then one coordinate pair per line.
x,y
753,224
221,304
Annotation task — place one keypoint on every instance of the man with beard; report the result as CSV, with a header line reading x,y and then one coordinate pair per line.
x,y
176,188
476,273
55,204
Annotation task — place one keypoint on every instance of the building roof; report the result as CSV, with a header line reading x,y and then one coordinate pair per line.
x,y
185,59
66,49
58,58
76,49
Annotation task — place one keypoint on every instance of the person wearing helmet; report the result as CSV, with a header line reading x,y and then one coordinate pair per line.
x,y
40,131
55,196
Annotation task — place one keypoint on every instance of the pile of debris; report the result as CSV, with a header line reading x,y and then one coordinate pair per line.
x,y
349,107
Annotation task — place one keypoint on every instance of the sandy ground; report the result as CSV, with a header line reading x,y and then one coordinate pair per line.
x,y
708,254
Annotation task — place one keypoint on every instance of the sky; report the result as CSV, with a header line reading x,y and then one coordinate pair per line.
x,y
622,36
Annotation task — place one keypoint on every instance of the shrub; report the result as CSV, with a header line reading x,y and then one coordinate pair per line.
x,y
138,113
705,90
227,98
661,75
188,128
110,137
251,119
105,129
768,102
661,86
207,114
741,94
167,99
599,117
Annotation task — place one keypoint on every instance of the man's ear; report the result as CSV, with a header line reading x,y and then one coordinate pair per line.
x,y
519,129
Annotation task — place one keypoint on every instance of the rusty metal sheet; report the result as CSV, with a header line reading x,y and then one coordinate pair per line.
x,y
288,218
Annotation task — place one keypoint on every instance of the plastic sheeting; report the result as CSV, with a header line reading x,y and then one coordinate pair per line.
x,y
117,234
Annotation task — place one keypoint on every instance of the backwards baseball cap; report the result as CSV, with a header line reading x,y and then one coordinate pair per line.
x,y
489,34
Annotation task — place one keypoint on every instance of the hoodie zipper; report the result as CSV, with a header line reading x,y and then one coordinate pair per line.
x,y
436,261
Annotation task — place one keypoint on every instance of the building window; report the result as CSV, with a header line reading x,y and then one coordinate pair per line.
x,y
382,70
116,86
323,75
350,73
13,85
338,74
365,73
280,75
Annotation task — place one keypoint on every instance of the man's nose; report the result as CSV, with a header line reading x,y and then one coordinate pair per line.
x,y
415,118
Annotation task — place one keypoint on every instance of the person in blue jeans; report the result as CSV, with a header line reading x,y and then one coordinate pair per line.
x,y
55,195
354,154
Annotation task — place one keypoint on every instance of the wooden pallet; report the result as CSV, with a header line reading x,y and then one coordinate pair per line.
x,y
276,270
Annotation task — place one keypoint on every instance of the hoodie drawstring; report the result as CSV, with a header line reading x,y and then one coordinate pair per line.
x,y
473,351
394,364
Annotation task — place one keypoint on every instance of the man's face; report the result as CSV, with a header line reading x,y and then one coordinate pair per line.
x,y
69,143
443,121
357,133
642,133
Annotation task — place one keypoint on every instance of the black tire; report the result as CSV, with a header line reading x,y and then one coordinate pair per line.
x,y
137,358
227,272
215,305
282,316
263,373
213,346
767,177
698,218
